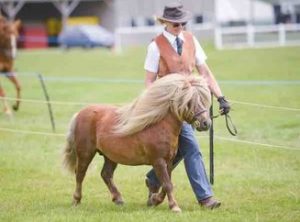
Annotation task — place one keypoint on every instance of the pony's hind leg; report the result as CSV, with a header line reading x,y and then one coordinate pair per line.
x,y
7,110
107,173
83,161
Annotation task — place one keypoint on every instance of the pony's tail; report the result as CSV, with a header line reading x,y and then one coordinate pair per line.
x,y
69,153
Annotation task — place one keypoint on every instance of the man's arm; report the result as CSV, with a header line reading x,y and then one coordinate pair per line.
x,y
214,87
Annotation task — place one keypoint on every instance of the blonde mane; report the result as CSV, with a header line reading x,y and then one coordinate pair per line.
x,y
173,92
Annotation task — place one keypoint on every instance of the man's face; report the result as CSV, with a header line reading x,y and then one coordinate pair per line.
x,y
175,28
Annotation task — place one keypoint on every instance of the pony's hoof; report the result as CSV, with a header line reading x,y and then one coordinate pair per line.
x,y
119,202
15,107
7,112
149,202
176,209
75,202
154,200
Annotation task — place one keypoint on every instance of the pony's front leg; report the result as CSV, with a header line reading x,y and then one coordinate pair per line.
x,y
107,174
164,174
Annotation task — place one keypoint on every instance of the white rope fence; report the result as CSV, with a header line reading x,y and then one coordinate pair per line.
x,y
31,132
217,137
71,103
266,106
256,143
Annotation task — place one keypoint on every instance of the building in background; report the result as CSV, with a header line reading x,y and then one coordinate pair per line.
x,y
133,21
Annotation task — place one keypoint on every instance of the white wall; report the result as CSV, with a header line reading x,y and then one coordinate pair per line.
x,y
244,10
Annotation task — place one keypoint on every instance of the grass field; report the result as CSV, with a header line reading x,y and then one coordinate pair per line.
x,y
254,182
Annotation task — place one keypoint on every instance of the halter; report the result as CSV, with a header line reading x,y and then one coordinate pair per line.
x,y
192,117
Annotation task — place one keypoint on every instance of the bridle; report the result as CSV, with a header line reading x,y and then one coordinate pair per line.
x,y
192,117
199,113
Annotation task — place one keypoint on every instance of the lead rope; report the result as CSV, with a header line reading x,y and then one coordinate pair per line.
x,y
231,129
229,124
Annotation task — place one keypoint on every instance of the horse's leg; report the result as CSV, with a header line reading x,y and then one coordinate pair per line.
x,y
107,173
12,77
5,104
163,172
83,161
162,194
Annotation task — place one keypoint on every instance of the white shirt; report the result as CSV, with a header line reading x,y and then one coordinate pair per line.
x,y
153,54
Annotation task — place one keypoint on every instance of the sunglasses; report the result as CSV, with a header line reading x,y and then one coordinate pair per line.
x,y
178,24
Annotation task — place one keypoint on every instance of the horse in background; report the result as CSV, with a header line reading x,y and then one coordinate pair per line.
x,y
144,132
9,33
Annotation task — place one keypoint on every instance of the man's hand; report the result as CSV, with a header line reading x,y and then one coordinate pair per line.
x,y
224,105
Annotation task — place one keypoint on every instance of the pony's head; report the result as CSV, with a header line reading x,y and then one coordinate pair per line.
x,y
10,28
191,100
9,33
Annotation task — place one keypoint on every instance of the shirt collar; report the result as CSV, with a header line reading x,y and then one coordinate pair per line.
x,y
171,38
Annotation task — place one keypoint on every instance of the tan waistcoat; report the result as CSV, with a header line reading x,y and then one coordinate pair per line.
x,y
170,61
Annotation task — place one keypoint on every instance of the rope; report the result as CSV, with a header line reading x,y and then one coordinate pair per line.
x,y
259,144
31,132
252,143
89,103
229,124
265,106
218,137
140,81
52,102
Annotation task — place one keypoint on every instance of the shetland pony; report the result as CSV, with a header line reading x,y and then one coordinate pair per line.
x,y
143,132
8,46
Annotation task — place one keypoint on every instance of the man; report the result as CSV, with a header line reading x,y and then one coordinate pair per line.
x,y
178,51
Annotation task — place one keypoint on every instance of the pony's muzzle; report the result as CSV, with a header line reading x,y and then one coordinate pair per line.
x,y
204,125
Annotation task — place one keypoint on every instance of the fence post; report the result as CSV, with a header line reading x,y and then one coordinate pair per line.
x,y
118,43
40,77
218,37
282,34
250,35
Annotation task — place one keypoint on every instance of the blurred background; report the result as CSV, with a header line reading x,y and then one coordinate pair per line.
x,y
122,23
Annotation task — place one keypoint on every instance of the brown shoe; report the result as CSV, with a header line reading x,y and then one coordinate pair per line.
x,y
152,189
210,203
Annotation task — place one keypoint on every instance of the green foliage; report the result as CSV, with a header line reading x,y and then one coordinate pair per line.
x,y
254,182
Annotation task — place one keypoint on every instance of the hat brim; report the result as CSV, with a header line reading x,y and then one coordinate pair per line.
x,y
185,18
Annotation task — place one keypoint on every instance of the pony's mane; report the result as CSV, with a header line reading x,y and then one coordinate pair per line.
x,y
172,92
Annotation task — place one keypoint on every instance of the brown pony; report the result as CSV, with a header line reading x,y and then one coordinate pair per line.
x,y
143,132
8,45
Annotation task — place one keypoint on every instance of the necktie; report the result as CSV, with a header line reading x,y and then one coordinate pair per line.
x,y
179,45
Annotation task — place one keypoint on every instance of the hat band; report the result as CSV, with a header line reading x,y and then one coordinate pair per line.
x,y
173,14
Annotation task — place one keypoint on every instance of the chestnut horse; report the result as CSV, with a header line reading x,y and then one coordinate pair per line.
x,y
9,32
143,132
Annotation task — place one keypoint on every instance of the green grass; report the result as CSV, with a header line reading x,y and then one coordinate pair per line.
x,y
254,183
